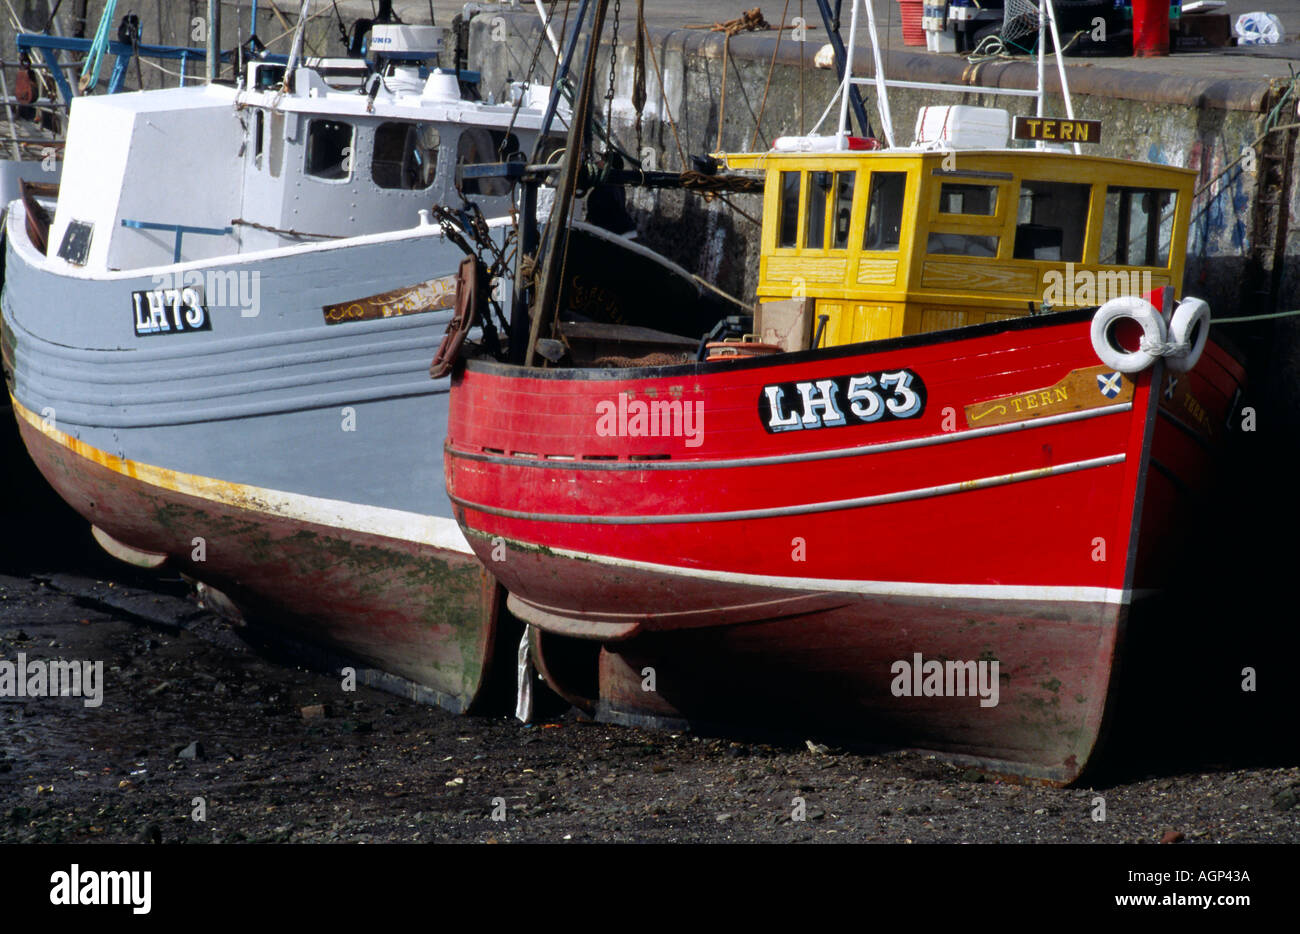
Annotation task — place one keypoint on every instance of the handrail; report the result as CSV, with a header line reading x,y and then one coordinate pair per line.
x,y
48,45
179,229
848,81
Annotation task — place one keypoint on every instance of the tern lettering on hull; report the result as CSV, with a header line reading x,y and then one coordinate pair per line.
x,y
169,311
837,401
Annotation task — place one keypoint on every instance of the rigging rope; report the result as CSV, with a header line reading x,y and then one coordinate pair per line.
x,y
95,57
758,121
638,73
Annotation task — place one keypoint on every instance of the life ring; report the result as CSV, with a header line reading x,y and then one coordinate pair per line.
x,y
1190,315
1146,316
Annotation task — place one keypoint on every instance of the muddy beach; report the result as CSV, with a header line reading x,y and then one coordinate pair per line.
x,y
201,738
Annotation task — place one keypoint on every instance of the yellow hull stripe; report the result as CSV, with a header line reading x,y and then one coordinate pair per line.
x,y
435,531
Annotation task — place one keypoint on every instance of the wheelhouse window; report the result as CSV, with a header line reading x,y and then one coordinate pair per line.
x,y
477,146
960,198
843,217
819,188
830,199
1137,226
258,133
405,156
329,149
787,232
1051,221
884,211
277,142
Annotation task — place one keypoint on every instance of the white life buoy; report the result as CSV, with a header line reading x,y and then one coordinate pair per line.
x,y
1189,327
1139,310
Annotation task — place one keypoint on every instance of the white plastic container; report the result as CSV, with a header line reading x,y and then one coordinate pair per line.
x,y
940,41
960,126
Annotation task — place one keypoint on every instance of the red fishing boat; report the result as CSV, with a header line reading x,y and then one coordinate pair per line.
x,y
921,512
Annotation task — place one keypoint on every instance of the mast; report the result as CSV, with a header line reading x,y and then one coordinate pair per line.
x,y
214,40
552,256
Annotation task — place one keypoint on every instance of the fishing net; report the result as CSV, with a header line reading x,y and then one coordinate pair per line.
x,y
1020,22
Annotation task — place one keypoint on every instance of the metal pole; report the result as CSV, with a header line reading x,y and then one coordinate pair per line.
x,y
519,322
847,86
832,23
1060,67
882,94
1042,30
550,33
296,49
554,102
13,130
552,256
214,39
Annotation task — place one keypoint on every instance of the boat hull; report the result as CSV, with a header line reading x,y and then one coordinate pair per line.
x,y
791,576
271,456
420,612
830,675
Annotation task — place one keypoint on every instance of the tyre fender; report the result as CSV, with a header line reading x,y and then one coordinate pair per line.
x,y
1136,309
1191,314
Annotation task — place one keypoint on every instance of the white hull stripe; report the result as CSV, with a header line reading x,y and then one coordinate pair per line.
x,y
879,499
434,531
968,434
816,585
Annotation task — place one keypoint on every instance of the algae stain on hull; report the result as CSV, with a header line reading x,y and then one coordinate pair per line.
x,y
408,608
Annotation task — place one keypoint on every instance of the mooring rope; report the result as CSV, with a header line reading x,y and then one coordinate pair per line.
x,y
1277,314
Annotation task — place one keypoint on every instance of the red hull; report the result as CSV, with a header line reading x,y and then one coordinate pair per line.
x,y
1009,515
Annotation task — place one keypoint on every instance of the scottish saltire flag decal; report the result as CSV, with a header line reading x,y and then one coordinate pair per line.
x,y
1092,387
1110,384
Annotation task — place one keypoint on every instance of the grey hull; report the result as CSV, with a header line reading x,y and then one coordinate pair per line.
x,y
294,465
278,399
